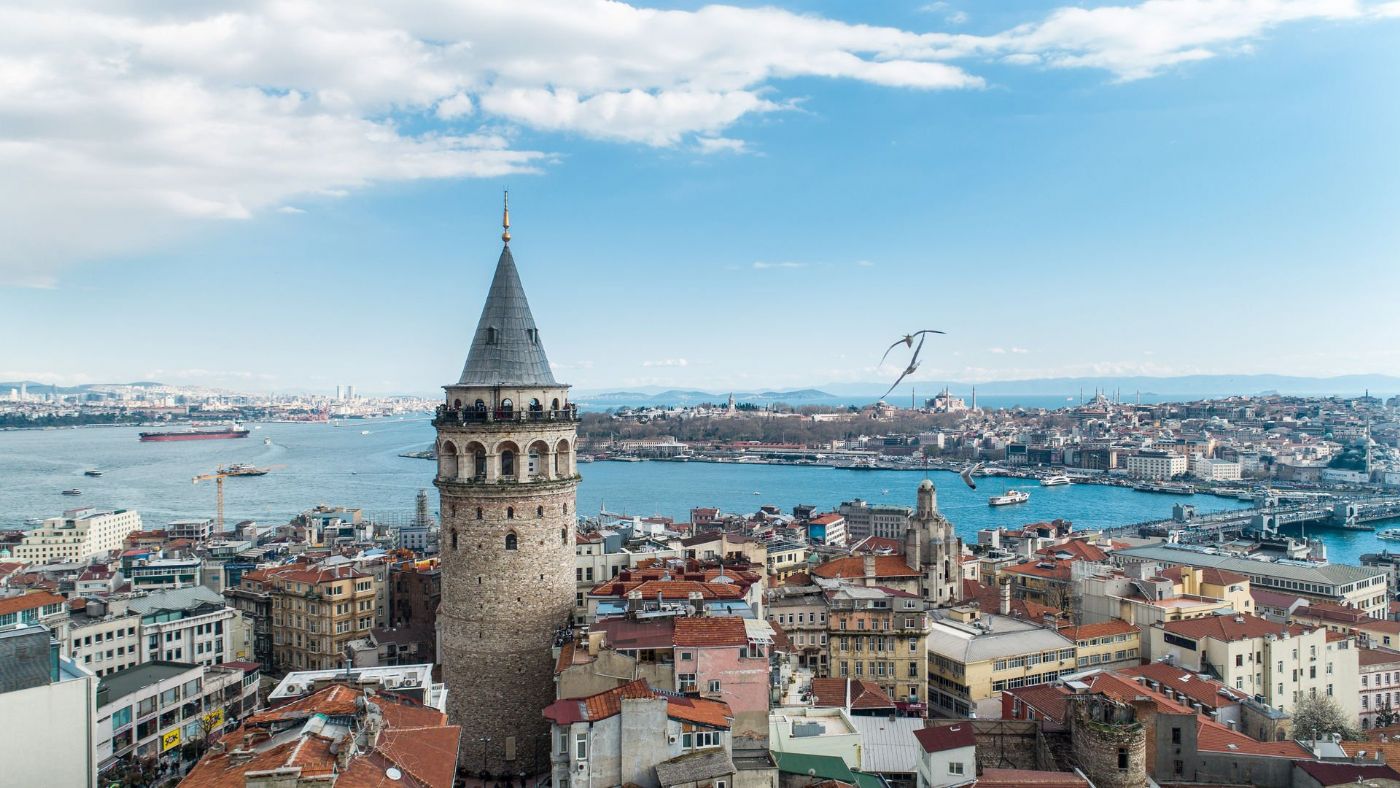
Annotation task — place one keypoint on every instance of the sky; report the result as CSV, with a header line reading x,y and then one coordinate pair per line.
x,y
290,195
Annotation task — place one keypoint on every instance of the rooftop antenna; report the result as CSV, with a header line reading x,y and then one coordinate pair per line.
x,y
505,216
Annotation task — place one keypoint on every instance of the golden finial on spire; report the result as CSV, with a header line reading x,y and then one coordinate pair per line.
x,y
505,217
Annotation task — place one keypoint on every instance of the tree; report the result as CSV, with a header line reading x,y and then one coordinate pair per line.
x,y
1315,717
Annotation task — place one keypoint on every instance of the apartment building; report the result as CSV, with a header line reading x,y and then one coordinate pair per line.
x,y
879,634
316,611
800,610
252,597
1363,588
193,625
1380,686
883,520
972,657
1279,663
1212,470
148,712
36,607
1108,645
195,530
103,636
77,536
1160,465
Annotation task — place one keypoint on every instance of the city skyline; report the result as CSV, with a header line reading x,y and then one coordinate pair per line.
x,y
762,198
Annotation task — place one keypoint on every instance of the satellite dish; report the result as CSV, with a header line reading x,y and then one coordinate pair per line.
x,y
393,773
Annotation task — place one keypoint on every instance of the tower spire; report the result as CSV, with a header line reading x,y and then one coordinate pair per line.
x,y
505,216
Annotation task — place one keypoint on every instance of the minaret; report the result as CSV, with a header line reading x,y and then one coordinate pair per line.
x,y
506,474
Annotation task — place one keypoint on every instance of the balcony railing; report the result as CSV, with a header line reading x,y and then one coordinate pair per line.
x,y
446,415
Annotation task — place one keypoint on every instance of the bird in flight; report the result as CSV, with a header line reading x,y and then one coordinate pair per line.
x,y
967,474
908,341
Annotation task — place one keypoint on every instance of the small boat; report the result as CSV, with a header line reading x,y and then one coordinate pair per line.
x,y
1058,480
364,432
243,469
1009,497
1391,534
34,521
267,441
73,491
756,492
93,473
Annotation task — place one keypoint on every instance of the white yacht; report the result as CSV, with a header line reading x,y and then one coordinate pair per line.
x,y
1058,480
1391,534
1009,497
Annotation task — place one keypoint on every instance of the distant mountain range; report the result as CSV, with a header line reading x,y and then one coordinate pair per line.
x,y
1150,388
36,388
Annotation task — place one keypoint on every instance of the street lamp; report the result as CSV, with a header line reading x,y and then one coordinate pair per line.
x,y
485,740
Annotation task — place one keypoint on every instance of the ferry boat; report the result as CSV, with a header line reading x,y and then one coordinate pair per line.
x,y
93,473
195,435
1164,487
73,491
1058,480
243,469
1009,497
1392,534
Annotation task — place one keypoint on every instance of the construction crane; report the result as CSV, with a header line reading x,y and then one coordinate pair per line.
x,y
218,477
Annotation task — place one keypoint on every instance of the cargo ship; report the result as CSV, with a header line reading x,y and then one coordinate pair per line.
x,y
195,435
243,469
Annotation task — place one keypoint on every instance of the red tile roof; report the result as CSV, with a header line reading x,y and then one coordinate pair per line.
x,y
1227,628
1222,577
1101,629
1205,691
877,544
17,604
1376,656
1333,774
831,693
1048,700
1077,549
886,566
609,703
947,737
701,632
1211,736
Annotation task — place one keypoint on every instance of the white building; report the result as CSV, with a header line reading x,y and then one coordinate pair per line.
x,y
187,625
197,530
1211,470
948,757
78,535
104,638
1155,465
413,681
46,713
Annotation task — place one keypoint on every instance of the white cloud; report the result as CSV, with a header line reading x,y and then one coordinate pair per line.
x,y
458,105
721,145
1019,350
292,209
122,124
997,350
864,264
667,362
761,265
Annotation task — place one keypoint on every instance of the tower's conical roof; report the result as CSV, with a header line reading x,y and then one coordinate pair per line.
x,y
506,349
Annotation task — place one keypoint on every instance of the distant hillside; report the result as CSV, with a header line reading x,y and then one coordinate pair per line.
x,y
693,397
1182,385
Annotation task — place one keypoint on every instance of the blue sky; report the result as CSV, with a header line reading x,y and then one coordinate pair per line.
x,y
289,196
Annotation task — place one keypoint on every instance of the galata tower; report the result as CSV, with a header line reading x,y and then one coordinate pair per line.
x,y
507,477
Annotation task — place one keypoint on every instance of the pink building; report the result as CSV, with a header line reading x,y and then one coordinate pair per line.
x,y
726,659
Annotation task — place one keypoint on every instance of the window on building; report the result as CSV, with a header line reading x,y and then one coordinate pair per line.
x,y
714,685
1122,759
581,747
685,682
955,767
512,542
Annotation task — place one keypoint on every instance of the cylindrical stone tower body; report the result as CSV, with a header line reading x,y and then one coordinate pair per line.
x,y
507,478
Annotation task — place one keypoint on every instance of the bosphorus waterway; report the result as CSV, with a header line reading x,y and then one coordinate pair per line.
x,y
318,463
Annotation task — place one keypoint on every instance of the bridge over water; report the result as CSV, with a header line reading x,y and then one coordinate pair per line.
x,y
1347,513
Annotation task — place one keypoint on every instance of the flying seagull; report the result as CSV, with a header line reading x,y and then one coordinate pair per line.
x,y
908,341
967,474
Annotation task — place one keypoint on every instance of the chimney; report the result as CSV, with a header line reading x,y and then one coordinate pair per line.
x,y
1004,596
595,642
869,566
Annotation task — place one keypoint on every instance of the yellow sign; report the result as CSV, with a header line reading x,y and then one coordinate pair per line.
x,y
170,740
214,719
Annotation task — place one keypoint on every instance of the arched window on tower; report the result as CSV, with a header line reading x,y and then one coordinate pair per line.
x,y
566,508
456,404
511,541
507,406
491,335
510,512
454,538
535,406
507,464
478,512
555,404
480,404
539,511
563,536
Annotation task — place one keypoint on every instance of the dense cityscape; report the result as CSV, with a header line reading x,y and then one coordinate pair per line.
x,y
502,637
